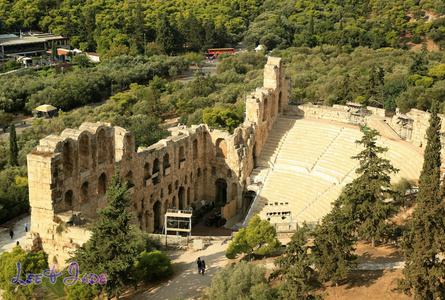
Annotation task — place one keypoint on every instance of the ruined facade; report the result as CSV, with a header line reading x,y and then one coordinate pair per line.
x,y
68,174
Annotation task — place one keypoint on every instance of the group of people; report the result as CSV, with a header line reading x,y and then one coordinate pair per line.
x,y
201,266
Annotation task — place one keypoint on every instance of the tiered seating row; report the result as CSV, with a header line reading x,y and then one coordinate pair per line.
x,y
314,163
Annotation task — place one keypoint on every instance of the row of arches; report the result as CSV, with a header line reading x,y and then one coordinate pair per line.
x,y
85,193
87,154
156,165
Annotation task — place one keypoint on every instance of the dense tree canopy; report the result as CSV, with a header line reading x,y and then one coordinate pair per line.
x,y
384,77
131,25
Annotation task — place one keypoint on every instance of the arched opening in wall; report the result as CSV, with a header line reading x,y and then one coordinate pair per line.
x,y
181,197
140,220
102,184
265,109
84,192
220,192
234,192
142,204
102,147
147,220
195,192
68,159
84,152
188,197
175,205
68,199
157,216
249,196
155,172
146,173
166,164
181,155
279,103
195,149
129,179
221,148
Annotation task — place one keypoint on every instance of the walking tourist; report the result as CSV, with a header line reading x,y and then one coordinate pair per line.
x,y
11,233
199,265
203,267
26,227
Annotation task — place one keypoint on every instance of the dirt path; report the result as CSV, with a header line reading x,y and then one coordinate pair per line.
x,y
187,283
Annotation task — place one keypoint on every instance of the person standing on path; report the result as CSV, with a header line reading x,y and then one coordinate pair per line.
x,y
11,233
26,227
199,265
203,267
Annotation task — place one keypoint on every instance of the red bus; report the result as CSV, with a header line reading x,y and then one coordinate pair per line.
x,y
215,52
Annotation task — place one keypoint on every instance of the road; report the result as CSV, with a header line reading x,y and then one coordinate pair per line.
x,y
18,226
187,283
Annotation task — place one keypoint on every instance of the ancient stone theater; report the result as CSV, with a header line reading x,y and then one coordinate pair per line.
x,y
286,163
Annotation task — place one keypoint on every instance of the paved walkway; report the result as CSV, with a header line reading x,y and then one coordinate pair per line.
x,y
18,227
187,283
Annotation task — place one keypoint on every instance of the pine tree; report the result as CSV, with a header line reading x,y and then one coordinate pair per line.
x,y
165,37
295,267
13,148
419,64
376,86
363,199
113,247
334,246
423,243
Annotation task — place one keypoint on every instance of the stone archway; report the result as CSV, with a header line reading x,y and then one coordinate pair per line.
x,y
157,225
69,197
249,196
220,192
102,185
147,218
181,198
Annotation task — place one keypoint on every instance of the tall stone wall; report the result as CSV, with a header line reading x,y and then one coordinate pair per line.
x,y
68,174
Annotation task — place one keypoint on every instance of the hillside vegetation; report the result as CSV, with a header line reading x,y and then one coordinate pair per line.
x,y
136,27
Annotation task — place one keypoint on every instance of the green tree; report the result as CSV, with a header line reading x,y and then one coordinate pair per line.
x,y
334,246
5,120
31,262
424,241
13,147
259,237
364,198
419,64
165,35
152,265
376,86
240,281
82,61
295,266
113,246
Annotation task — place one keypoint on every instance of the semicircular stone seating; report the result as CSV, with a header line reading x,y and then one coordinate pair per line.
x,y
313,162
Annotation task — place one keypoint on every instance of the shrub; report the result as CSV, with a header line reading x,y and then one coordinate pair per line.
x,y
152,266
241,281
